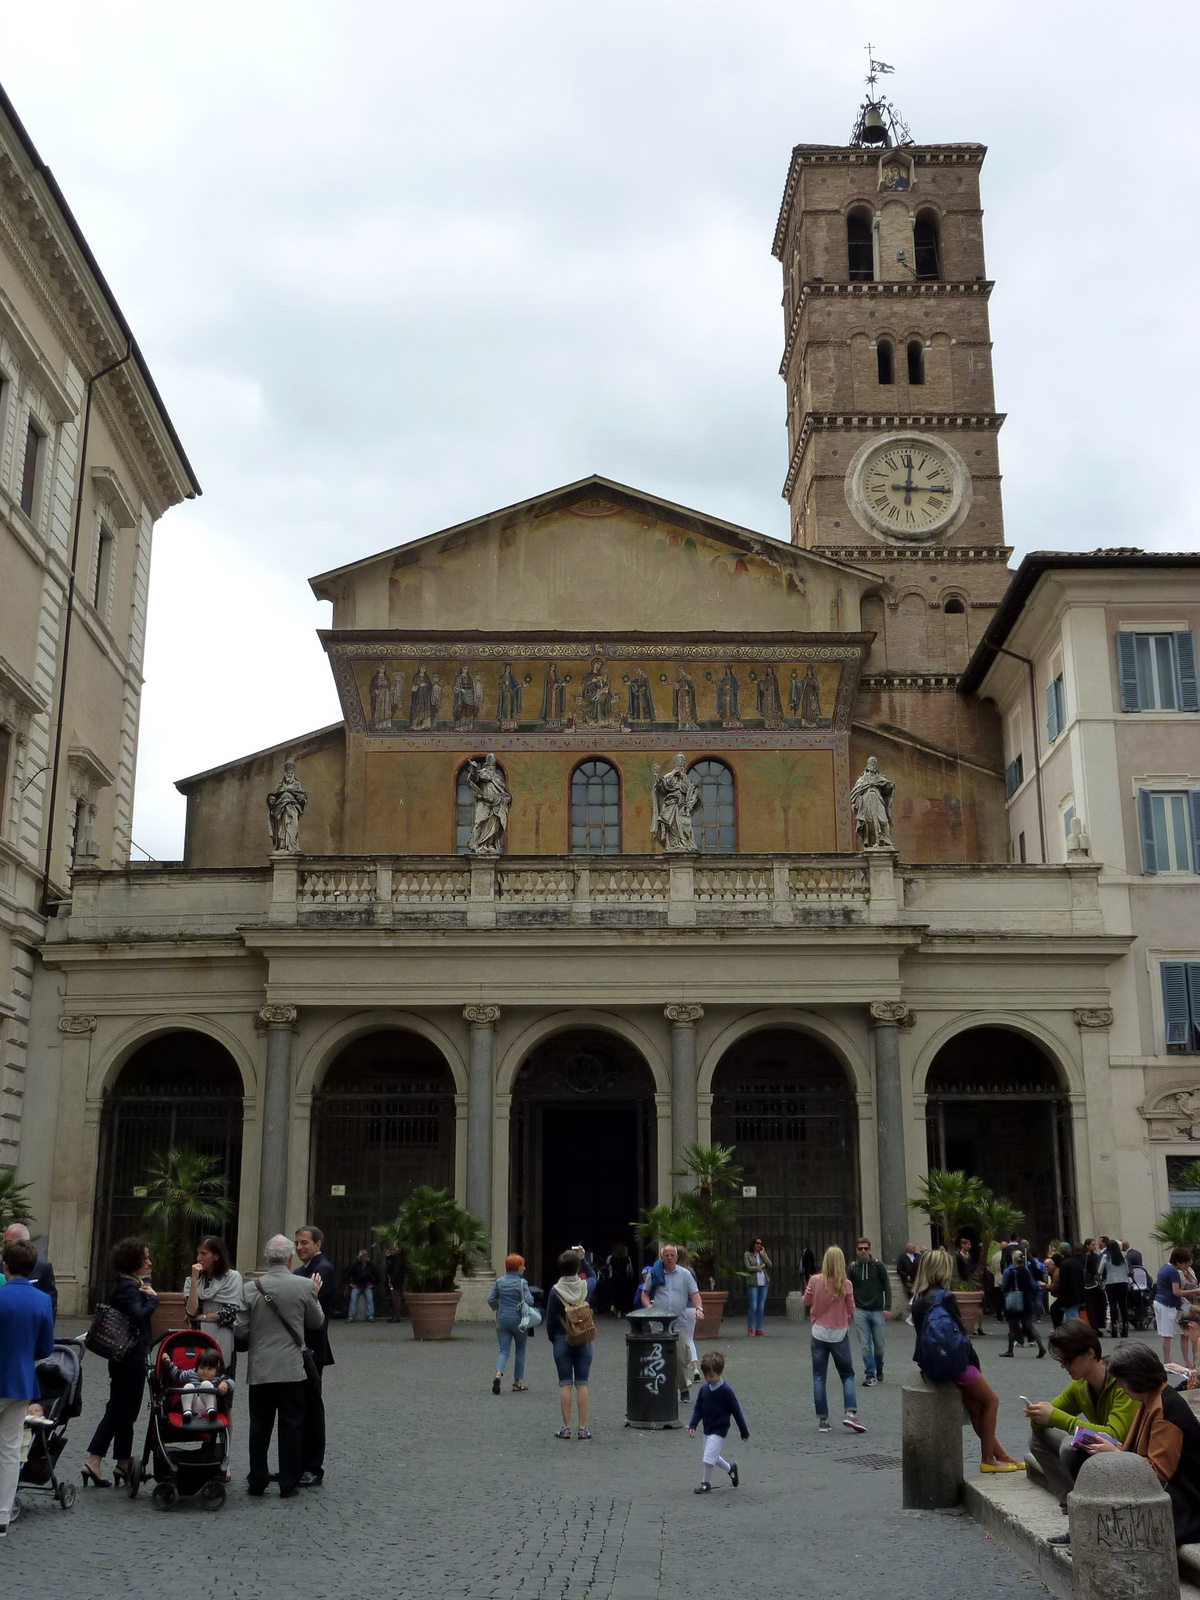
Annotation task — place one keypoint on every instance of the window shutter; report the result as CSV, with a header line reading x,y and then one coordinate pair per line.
x,y
1146,823
1193,980
1052,728
1194,807
1185,670
1127,671
1176,1011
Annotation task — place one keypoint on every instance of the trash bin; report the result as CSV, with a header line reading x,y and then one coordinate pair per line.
x,y
652,1388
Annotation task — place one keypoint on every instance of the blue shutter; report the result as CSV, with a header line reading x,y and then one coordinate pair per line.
x,y
1176,1011
1193,978
1194,806
1185,670
1052,727
1146,823
1127,671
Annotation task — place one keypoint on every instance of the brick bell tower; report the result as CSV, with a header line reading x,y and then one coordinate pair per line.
x,y
892,426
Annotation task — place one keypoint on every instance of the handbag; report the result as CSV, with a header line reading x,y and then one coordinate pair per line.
x,y
531,1317
312,1371
111,1334
1014,1299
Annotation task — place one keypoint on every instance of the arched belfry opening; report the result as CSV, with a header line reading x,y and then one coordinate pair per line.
x,y
786,1104
382,1123
583,1146
997,1109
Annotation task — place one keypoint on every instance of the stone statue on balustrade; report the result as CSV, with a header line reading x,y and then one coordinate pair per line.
x,y
492,799
871,802
285,804
676,798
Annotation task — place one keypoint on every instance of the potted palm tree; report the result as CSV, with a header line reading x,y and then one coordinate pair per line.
x,y
185,1195
438,1240
13,1205
950,1200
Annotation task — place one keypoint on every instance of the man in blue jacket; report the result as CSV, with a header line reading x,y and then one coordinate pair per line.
x,y
26,1335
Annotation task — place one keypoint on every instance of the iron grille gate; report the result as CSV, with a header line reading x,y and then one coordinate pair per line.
x,y
135,1127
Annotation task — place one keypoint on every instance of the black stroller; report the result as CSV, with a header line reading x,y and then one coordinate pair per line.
x,y
183,1453
60,1379
1141,1299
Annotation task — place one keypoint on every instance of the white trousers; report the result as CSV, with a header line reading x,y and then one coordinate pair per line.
x,y
713,1443
687,1328
12,1420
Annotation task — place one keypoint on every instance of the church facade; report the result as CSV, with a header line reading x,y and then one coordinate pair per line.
x,y
638,828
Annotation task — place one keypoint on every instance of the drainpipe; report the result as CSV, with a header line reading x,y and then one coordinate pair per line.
x,y
62,681
1037,754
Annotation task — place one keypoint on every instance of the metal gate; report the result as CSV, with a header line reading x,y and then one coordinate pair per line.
x,y
783,1102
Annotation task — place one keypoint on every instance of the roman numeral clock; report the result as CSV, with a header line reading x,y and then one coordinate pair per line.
x,y
908,487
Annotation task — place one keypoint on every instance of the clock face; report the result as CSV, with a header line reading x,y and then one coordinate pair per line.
x,y
906,488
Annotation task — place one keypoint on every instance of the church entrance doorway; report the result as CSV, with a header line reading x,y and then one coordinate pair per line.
x,y
785,1104
582,1149
997,1109
382,1123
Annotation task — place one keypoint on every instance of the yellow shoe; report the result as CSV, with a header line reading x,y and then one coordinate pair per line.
x,y
1001,1466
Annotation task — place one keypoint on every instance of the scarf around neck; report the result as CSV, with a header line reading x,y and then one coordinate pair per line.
x,y
571,1290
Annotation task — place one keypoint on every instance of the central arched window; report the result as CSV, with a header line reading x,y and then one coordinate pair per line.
x,y
926,245
464,812
595,809
885,362
716,821
916,361
860,246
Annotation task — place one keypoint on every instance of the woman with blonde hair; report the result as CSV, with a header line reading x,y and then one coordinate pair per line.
x,y
829,1296
981,1402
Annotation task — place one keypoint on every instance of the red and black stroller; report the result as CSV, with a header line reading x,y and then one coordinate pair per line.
x,y
185,1454
60,1379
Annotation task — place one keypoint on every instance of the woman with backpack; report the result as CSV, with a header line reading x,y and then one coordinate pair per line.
x,y
1018,1291
829,1296
570,1329
945,1355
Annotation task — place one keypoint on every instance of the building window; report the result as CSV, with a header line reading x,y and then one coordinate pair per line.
x,y
1181,1005
1014,775
1021,847
885,361
916,361
926,245
595,810
1169,823
954,606
716,821
1056,713
29,469
464,812
860,246
102,570
1157,671
5,753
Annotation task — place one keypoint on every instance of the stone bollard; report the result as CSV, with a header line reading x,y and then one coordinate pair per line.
x,y
1122,1531
931,1433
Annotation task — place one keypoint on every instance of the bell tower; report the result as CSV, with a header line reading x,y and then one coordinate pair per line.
x,y
892,426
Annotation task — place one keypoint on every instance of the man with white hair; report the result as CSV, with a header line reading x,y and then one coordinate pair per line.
x,y
271,1326
42,1276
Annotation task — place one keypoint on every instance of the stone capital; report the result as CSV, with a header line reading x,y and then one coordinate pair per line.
x,y
76,1022
482,1016
1093,1017
889,1013
683,1016
278,1017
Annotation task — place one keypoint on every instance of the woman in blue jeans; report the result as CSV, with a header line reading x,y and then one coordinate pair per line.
x,y
508,1294
757,1280
576,1283
829,1296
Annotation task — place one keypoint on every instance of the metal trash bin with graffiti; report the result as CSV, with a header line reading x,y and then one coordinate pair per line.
x,y
652,1388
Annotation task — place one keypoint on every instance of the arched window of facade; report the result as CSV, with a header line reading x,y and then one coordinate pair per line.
x,y
916,361
860,246
885,361
716,821
595,809
927,245
954,606
464,812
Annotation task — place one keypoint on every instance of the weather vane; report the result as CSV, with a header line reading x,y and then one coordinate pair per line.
x,y
878,120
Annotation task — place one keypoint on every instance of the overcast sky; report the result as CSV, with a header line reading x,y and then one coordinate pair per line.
x,y
395,265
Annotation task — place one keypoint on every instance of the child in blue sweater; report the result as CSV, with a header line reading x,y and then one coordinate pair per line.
x,y
716,1407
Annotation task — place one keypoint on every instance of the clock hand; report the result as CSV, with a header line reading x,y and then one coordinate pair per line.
x,y
919,488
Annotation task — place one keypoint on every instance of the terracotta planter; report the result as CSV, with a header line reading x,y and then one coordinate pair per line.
x,y
432,1314
970,1306
713,1301
168,1314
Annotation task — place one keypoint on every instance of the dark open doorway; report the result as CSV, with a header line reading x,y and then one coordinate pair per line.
x,y
591,1192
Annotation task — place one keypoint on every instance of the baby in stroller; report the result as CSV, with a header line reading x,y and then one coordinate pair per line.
x,y
187,1434
203,1389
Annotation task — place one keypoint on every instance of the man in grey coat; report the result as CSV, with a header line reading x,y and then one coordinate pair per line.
x,y
278,1311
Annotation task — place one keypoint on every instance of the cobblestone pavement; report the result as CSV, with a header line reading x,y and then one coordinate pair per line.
x,y
437,1489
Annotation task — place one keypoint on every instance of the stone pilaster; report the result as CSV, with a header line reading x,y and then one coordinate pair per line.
x,y
279,1024
887,1017
684,1126
480,1082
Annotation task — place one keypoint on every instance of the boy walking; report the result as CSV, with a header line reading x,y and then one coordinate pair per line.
x,y
716,1407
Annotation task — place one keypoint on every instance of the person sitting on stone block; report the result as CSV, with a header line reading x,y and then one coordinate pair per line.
x,y
1091,1400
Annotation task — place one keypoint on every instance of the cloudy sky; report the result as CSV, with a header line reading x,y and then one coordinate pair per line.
x,y
394,265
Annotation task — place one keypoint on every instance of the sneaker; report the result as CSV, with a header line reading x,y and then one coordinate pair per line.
x,y
869,1383
879,1377
702,1488
733,1474
1005,1353
854,1425
1059,1538
749,1335
496,1384
823,1426
759,1333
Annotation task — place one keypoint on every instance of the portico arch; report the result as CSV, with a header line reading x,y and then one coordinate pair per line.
x,y
108,1064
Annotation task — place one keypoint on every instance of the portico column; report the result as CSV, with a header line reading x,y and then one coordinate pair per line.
x,y
482,1021
886,1019
279,1023
684,1127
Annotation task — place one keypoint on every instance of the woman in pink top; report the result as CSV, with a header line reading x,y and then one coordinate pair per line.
x,y
829,1296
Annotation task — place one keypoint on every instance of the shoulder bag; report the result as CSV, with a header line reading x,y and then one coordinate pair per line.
x,y
531,1317
1014,1298
311,1370
111,1334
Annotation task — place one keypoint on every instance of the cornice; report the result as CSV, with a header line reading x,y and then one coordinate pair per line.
x,y
942,553
884,422
817,289
909,680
